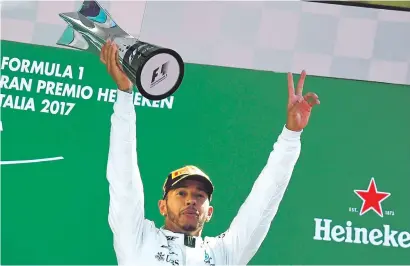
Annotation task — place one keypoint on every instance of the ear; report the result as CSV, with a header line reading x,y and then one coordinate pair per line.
x,y
162,206
210,213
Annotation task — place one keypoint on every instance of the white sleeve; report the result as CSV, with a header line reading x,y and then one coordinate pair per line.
x,y
126,207
251,225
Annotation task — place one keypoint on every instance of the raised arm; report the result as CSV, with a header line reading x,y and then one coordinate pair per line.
x,y
251,225
126,207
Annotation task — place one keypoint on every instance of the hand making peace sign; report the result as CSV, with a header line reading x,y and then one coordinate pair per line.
x,y
299,106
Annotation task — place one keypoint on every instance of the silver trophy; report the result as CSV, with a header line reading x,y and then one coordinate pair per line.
x,y
157,72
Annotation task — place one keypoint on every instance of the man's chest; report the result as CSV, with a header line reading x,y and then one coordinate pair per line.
x,y
174,254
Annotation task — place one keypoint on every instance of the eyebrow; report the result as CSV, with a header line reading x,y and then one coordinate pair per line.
x,y
199,188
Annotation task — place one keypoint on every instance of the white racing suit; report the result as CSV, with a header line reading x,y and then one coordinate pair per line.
x,y
138,242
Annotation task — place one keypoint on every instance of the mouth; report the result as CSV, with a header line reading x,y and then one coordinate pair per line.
x,y
190,212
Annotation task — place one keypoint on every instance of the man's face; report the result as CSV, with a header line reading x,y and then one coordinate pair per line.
x,y
186,207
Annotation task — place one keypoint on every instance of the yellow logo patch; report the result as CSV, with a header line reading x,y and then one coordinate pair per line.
x,y
187,170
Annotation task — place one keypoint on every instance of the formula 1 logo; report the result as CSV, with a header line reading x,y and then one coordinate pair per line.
x,y
157,77
40,160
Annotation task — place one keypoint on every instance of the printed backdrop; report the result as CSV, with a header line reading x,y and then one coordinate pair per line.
x,y
326,39
54,144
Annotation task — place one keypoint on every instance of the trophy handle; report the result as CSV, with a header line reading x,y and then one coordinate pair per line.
x,y
93,11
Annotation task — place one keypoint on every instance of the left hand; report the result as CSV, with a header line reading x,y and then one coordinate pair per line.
x,y
299,106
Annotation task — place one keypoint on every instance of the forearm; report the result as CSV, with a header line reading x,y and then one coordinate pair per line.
x,y
271,183
123,120
122,158
250,226
126,212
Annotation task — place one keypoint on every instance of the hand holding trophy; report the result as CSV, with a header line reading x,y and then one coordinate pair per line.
x,y
157,72
109,57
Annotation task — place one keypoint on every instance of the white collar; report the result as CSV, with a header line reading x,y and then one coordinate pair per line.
x,y
183,239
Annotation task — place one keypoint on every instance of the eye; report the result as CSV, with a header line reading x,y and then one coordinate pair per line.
x,y
181,193
200,195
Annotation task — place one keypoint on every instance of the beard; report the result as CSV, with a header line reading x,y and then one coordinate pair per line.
x,y
175,219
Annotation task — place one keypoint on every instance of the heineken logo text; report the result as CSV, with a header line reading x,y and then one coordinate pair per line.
x,y
326,231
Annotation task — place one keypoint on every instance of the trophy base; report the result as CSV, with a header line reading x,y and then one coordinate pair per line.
x,y
157,72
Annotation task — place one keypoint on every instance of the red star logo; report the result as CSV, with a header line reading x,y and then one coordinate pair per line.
x,y
372,198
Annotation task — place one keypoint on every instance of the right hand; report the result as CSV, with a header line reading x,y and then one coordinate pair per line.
x,y
299,106
109,57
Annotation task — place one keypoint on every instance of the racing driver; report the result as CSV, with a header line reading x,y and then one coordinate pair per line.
x,y
187,191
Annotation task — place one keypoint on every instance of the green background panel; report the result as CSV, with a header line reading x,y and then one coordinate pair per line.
x,y
225,121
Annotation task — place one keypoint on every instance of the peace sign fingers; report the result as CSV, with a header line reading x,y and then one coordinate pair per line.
x,y
301,82
291,85
299,106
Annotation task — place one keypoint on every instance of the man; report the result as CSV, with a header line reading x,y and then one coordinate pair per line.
x,y
188,191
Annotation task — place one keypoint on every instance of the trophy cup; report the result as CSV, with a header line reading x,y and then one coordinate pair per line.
x,y
157,72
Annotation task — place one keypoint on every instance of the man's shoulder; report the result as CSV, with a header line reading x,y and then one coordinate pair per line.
x,y
150,228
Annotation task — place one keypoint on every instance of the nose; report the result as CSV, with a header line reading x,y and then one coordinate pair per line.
x,y
190,200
